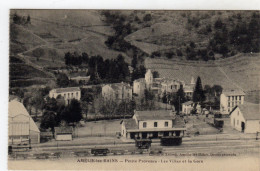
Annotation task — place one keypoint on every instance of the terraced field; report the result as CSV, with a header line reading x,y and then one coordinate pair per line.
x,y
241,71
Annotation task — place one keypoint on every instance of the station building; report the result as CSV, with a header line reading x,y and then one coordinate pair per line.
x,y
152,124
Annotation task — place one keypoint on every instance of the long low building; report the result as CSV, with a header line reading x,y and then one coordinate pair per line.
x,y
21,127
153,124
67,93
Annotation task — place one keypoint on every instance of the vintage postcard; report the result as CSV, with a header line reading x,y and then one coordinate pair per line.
x,y
133,90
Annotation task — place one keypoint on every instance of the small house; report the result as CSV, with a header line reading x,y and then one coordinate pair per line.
x,y
63,133
188,106
246,118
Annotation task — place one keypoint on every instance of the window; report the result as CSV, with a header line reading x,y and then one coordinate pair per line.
x,y
71,94
232,104
228,104
77,94
228,97
155,124
64,96
232,97
236,97
239,97
165,124
144,124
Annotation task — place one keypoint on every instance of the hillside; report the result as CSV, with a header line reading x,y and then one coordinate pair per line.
x,y
175,43
238,72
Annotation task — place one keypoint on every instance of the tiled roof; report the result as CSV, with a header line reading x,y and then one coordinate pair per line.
x,y
67,89
154,115
130,124
250,111
117,86
178,122
63,130
233,92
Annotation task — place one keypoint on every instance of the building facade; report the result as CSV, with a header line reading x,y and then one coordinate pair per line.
x,y
117,92
230,99
68,93
139,87
21,127
170,86
152,124
246,118
188,106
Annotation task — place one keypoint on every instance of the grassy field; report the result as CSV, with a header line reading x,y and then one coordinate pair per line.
x,y
100,128
65,30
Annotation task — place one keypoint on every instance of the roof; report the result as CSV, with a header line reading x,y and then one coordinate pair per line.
x,y
233,93
178,122
117,86
130,124
188,103
63,130
250,111
154,115
139,80
80,77
20,119
67,89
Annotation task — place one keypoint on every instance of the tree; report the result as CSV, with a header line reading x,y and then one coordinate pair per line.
x,y
62,80
72,113
198,94
51,104
155,74
28,19
147,17
134,62
48,121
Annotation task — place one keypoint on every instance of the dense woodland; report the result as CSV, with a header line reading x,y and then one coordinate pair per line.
x,y
231,33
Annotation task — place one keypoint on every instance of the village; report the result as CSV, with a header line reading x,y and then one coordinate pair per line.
x,y
149,109
108,82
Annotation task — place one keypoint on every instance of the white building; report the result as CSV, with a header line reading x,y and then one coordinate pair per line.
x,y
189,88
117,92
139,87
230,99
63,133
188,106
153,124
68,93
170,86
80,79
148,79
21,127
246,118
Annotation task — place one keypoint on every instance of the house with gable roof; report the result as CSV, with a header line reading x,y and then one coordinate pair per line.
x,y
117,92
21,127
246,117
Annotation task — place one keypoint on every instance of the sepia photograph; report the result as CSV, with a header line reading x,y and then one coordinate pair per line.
x,y
133,89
